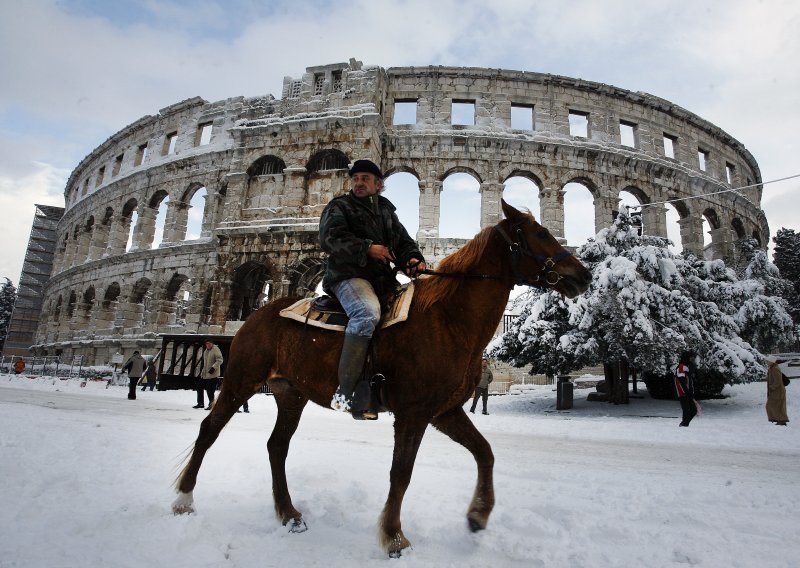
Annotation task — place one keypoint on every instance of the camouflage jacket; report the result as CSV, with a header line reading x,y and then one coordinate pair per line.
x,y
348,226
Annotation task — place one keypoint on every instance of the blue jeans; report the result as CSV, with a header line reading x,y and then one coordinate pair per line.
x,y
361,305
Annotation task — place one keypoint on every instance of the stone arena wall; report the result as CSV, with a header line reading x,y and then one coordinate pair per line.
x,y
266,167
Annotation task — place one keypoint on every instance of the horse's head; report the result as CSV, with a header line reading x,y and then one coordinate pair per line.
x,y
537,258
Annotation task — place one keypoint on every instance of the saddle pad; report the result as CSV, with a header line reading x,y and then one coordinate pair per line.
x,y
303,312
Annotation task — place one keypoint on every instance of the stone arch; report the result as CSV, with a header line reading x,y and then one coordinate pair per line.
x,y
738,228
584,211
87,304
325,160
460,203
73,299
247,289
757,237
174,285
326,178
129,221
111,295
306,275
266,183
402,189
523,189
57,309
139,290
268,165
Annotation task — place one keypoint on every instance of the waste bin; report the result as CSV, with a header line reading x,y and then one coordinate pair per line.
x,y
563,393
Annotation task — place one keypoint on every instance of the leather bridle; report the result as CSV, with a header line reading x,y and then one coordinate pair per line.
x,y
548,275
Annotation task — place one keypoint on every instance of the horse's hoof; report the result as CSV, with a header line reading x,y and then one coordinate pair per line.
x,y
184,504
397,545
476,522
182,510
297,525
474,525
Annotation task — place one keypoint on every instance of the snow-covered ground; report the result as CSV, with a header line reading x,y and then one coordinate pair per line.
x,y
87,482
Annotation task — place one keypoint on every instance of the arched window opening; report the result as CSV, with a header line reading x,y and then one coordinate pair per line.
x,y
578,214
629,200
402,189
247,290
161,219
134,221
266,166
111,295
327,160
460,207
521,192
71,304
57,310
674,229
197,209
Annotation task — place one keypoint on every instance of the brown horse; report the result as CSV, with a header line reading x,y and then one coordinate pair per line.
x,y
431,363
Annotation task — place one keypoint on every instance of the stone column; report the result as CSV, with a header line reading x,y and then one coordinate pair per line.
x,y
722,244
429,205
692,235
491,213
551,204
82,250
99,241
237,184
117,235
145,229
654,220
604,207
175,223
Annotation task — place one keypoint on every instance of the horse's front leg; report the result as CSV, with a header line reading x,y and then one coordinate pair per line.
x,y
460,428
223,410
291,403
408,432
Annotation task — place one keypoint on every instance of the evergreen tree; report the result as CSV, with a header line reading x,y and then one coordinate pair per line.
x,y
644,307
787,259
8,295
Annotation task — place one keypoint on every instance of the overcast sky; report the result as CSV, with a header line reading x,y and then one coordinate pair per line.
x,y
74,72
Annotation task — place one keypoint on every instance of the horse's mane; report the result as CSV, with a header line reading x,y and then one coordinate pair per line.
x,y
429,290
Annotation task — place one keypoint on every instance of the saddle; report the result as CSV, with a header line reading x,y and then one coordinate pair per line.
x,y
326,312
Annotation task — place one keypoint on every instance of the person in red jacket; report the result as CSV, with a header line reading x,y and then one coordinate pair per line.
x,y
684,387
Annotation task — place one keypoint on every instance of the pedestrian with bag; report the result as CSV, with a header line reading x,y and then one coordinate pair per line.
x,y
684,387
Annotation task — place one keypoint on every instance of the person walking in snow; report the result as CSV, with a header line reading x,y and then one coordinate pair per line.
x,y
684,388
149,380
482,390
776,392
209,376
135,367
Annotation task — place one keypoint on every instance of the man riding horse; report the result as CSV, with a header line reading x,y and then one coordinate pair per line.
x,y
361,233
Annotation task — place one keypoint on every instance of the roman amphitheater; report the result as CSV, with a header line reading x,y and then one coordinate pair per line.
x,y
258,171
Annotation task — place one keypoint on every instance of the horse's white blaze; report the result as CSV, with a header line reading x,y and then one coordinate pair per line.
x,y
183,504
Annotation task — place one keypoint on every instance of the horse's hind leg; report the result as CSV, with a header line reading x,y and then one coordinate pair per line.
x,y
291,403
459,428
221,412
408,433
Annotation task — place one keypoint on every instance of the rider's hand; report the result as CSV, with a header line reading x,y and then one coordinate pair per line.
x,y
414,267
381,253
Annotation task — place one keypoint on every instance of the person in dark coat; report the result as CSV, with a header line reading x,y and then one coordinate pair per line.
x,y
362,235
149,380
135,367
684,388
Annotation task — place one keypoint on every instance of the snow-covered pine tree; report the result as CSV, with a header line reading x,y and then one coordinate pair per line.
x,y
787,259
644,307
8,295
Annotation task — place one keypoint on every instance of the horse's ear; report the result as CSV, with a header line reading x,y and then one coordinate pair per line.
x,y
509,211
